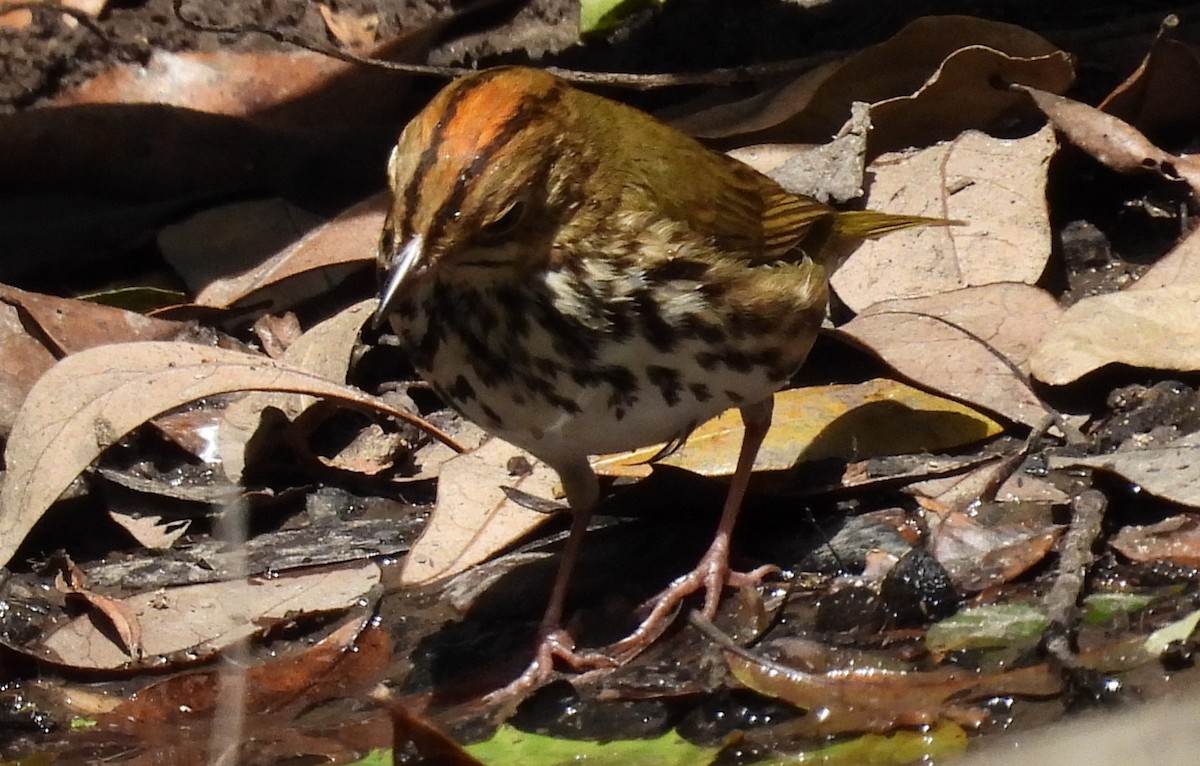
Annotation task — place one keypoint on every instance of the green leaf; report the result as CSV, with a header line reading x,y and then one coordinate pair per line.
x,y
1156,643
513,746
943,740
1099,608
603,15
378,757
987,627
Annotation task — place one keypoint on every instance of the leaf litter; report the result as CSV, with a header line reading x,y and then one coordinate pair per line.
x,y
970,312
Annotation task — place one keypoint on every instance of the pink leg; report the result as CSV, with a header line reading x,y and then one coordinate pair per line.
x,y
712,573
553,641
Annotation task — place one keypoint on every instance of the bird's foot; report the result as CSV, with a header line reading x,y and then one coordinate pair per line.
x,y
712,575
552,645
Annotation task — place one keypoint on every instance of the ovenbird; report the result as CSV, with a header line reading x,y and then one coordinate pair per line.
x,y
580,278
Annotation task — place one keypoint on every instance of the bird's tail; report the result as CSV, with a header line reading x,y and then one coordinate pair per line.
x,y
868,224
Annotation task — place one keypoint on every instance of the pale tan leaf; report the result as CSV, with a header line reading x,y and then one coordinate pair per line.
x,y
204,619
152,532
1181,266
474,519
1170,471
90,400
853,422
995,186
429,459
939,342
959,491
119,618
57,327
316,263
324,351
1155,328
827,172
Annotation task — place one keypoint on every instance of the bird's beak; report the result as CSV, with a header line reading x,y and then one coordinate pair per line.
x,y
402,266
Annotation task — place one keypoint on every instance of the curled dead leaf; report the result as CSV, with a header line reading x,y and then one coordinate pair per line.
x,y
90,400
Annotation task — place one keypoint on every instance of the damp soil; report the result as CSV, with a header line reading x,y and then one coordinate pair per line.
x,y
50,56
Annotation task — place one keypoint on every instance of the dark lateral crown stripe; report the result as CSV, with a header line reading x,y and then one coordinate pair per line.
x,y
512,118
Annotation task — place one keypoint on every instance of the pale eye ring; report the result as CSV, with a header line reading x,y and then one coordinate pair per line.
x,y
503,226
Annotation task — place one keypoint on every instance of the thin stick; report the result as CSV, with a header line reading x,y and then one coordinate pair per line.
x,y
1075,557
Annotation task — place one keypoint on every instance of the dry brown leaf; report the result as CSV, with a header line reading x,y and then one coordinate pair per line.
x,y
874,699
352,31
118,617
1170,471
474,519
371,452
959,491
429,459
25,360
90,400
938,72
853,422
938,341
314,264
74,325
1112,141
276,332
204,619
324,351
66,326
963,95
23,17
229,239
1176,539
1156,329
235,83
995,186
978,555
1149,98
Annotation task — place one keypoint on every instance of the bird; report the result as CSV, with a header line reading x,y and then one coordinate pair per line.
x,y
579,278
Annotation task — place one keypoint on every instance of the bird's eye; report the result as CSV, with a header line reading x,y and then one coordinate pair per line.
x,y
503,227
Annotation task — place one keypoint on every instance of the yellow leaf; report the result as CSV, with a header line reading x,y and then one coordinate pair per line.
x,y
850,421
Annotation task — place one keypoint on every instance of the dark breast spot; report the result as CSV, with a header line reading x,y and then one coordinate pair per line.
x,y
677,269
668,382
697,326
461,390
656,329
491,415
